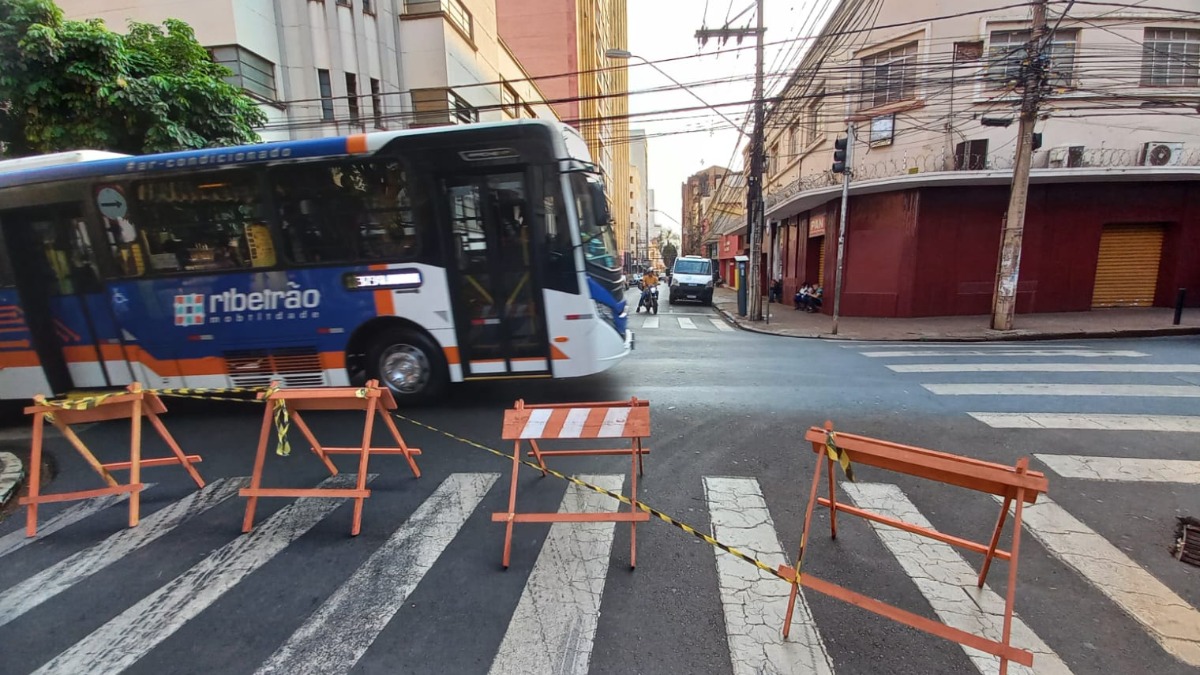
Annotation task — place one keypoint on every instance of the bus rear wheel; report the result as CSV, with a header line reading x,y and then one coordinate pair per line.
x,y
410,364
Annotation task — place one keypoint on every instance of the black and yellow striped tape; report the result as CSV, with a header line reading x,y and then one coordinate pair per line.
x,y
621,498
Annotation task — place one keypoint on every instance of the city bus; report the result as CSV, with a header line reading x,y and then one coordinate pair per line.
x,y
418,257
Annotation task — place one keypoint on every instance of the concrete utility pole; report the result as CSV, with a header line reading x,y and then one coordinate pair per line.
x,y
754,196
1004,298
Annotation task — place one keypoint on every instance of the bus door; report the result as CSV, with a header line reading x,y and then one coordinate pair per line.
x,y
496,295
60,294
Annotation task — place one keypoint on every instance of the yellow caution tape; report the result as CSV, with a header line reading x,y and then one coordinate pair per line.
x,y
619,497
838,455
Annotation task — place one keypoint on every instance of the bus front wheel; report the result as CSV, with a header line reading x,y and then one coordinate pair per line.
x,y
410,364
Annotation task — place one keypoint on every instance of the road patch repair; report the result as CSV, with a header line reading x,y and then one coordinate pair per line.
x,y
11,473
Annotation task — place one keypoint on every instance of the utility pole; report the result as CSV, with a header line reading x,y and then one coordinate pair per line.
x,y
754,194
1004,298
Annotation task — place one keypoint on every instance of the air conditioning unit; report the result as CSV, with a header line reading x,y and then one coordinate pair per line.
x,y
1160,153
1065,157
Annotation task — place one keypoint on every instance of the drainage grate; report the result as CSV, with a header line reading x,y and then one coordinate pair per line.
x,y
1187,541
292,366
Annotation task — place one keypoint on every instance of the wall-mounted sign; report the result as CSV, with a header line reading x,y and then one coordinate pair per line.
x,y
816,225
391,279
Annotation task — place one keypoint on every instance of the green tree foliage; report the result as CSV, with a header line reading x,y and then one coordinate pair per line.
x,y
669,254
69,85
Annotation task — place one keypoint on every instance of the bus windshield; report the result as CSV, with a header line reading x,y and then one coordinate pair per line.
x,y
691,266
599,242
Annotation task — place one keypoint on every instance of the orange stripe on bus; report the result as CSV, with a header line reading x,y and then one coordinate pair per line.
x,y
557,354
356,144
383,299
22,359
15,344
452,356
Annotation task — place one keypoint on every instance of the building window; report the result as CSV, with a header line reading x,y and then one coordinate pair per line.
x,y
345,3
1007,51
369,7
773,160
528,111
793,144
971,155
326,94
890,76
1171,58
377,103
454,10
439,106
352,95
510,103
812,121
251,72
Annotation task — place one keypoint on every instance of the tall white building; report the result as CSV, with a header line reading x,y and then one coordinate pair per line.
x,y
326,67
639,191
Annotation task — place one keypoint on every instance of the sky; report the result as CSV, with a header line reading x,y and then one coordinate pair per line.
x,y
665,29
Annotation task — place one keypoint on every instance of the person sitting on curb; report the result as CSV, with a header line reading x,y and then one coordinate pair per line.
x,y
814,300
801,297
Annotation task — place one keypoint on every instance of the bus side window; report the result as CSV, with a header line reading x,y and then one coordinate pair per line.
x,y
347,212
203,222
125,246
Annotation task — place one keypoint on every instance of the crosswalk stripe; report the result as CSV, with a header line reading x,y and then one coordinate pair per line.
x,y
124,640
1106,422
1124,469
754,602
650,322
61,576
1046,368
686,323
1015,352
1006,346
1045,389
554,624
948,582
1169,619
16,540
337,635
721,325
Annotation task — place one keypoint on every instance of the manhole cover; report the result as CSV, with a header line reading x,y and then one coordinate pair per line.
x,y
1187,541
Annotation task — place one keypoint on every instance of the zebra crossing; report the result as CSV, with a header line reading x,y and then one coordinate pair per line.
x,y
553,626
700,323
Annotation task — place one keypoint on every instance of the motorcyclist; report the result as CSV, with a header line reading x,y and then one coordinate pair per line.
x,y
649,281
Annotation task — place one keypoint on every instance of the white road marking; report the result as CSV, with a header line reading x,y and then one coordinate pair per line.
x,y
651,322
1015,352
1047,368
1030,389
720,325
755,602
64,574
337,635
1113,422
16,540
554,624
538,418
124,640
1005,345
686,323
1124,469
1169,619
574,424
948,582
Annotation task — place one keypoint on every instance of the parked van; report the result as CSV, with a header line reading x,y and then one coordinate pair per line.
x,y
691,279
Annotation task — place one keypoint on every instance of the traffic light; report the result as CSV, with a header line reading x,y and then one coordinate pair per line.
x,y
839,155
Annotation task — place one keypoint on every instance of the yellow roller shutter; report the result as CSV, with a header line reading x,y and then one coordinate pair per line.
x,y
820,281
1127,271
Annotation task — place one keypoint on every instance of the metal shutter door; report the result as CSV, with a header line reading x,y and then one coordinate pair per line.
x,y
1127,271
821,262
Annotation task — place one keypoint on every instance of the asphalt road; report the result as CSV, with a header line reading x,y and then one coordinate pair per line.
x,y
421,590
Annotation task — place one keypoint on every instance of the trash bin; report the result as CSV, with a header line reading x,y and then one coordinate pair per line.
x,y
741,287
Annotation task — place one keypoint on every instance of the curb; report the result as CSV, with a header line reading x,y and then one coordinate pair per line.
x,y
11,473
1007,337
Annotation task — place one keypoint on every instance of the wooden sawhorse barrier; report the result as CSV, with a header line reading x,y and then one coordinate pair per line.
x,y
567,421
1016,484
373,399
132,405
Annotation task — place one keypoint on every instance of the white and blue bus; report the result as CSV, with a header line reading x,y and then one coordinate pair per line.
x,y
418,257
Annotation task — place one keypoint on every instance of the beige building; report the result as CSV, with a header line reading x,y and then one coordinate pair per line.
x,y
327,67
923,90
639,197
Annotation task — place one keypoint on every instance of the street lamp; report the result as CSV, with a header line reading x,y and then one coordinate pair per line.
x,y
625,54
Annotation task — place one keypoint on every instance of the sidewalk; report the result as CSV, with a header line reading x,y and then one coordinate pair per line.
x,y
1134,322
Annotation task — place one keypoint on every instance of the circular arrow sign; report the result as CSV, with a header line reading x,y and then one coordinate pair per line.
x,y
112,203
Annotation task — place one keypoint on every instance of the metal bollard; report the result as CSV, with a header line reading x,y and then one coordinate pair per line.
x,y
1179,297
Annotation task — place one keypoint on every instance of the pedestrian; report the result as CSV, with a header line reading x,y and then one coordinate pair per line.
x,y
801,298
776,290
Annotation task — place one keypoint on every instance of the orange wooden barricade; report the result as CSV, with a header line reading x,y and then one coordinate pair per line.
x,y
613,419
375,400
131,405
1016,484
